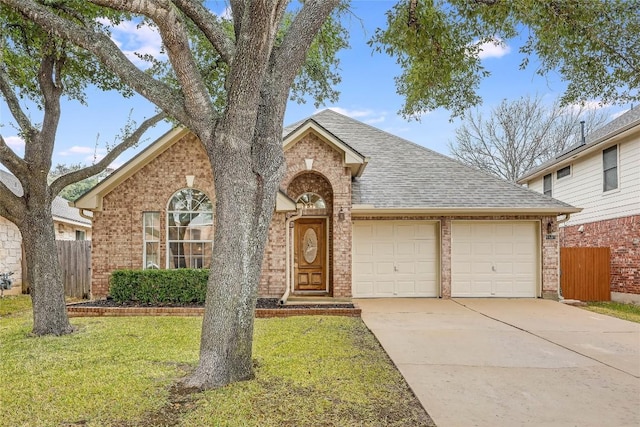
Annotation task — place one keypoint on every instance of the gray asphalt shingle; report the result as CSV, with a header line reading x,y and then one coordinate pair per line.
x,y
402,174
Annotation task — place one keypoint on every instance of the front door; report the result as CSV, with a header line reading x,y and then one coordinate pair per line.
x,y
310,254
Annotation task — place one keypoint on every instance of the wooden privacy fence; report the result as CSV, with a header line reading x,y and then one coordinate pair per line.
x,y
75,260
585,273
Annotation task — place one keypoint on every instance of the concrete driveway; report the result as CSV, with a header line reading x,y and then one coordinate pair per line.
x,y
512,362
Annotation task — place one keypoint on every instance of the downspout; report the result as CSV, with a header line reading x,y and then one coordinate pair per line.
x,y
566,218
288,256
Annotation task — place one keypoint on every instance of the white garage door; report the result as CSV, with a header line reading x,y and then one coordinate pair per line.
x,y
395,259
494,259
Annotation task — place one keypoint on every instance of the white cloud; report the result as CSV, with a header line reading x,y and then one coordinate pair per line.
x,y
365,115
134,38
15,142
77,149
591,105
493,49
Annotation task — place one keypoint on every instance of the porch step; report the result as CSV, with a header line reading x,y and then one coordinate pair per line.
x,y
313,300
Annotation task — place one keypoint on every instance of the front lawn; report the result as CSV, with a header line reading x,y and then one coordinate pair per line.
x,y
310,371
629,312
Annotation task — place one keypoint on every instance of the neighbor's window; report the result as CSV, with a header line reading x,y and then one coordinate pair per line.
x,y
80,235
189,229
312,201
546,183
151,256
565,171
610,168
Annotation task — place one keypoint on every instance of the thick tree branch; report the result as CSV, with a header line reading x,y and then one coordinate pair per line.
x,y
213,31
58,184
10,159
107,52
176,42
14,104
290,57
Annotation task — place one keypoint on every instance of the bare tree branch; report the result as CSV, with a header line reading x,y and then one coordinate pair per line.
x,y
519,135
59,183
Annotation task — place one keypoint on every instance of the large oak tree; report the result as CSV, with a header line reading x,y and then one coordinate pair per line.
x,y
255,58
41,69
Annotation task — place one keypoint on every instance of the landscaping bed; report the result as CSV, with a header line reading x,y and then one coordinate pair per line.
x,y
265,307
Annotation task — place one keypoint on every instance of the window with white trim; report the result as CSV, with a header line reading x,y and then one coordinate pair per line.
x,y
189,229
610,168
546,184
151,237
565,171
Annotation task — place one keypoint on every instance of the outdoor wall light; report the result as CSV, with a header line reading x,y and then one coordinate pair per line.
x,y
341,214
549,227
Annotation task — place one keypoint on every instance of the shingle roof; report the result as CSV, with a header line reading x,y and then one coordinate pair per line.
x,y
59,207
401,174
626,121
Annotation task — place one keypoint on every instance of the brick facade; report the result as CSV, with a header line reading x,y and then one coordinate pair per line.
x,y
117,229
314,166
622,235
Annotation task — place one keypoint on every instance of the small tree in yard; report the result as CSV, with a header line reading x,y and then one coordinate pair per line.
x,y
228,81
43,68
519,135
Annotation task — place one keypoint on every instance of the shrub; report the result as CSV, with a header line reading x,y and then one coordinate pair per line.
x,y
179,286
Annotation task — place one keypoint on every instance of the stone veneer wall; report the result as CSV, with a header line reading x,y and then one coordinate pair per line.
x,y
622,235
117,232
549,256
68,231
11,254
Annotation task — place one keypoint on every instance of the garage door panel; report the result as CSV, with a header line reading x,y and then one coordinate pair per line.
x,y
495,258
384,288
404,255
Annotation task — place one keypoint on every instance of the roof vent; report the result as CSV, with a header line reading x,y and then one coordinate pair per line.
x,y
582,140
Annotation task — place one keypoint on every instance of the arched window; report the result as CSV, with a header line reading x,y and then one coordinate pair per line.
x,y
312,201
189,229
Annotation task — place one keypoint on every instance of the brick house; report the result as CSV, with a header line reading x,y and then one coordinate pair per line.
x,y
360,213
67,221
603,177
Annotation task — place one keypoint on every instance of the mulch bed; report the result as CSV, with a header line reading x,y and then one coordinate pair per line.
x,y
266,303
265,308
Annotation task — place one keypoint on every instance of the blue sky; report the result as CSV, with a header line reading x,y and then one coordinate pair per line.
x,y
367,94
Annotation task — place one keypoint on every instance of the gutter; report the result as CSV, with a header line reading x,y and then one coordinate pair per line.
x,y
288,256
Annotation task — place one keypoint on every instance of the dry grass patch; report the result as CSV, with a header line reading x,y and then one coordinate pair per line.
x,y
310,371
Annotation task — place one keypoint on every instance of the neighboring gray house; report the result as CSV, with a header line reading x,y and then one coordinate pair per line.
x,y
68,223
602,176
379,217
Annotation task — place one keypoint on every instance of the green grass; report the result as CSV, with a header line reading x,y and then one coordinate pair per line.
x,y
310,371
629,312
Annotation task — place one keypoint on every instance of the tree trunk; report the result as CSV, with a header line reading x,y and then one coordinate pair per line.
x,y
239,241
43,270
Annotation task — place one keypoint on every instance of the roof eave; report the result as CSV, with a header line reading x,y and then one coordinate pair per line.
x,y
593,146
369,210
92,200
